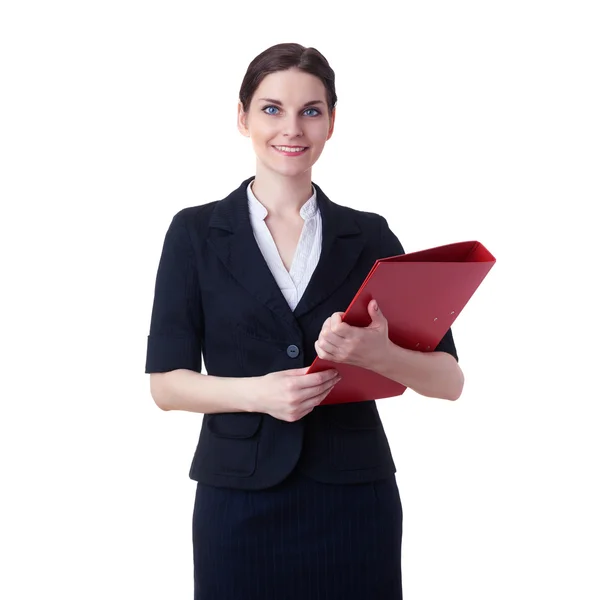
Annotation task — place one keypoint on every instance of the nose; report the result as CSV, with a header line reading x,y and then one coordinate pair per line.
x,y
292,127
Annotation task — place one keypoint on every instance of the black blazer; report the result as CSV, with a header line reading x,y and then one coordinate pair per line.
x,y
216,300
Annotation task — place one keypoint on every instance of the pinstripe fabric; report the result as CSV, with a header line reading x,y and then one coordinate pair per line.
x,y
299,540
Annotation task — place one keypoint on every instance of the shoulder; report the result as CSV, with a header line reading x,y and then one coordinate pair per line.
x,y
372,225
222,213
194,216
365,219
369,222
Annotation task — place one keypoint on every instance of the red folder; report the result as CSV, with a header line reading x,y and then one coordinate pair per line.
x,y
420,294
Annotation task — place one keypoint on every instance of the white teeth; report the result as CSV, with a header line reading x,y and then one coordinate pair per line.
x,y
288,149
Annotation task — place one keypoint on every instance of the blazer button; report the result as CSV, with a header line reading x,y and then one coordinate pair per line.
x,y
293,351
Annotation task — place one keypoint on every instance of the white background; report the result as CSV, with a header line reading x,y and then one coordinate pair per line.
x,y
456,120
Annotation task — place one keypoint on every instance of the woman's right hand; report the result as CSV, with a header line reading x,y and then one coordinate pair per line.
x,y
292,394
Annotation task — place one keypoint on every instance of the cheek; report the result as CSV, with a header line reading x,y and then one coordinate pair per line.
x,y
263,135
260,141
317,134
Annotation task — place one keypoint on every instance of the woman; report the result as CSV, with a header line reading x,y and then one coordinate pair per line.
x,y
294,499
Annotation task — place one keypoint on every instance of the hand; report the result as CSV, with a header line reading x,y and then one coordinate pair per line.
x,y
292,394
360,346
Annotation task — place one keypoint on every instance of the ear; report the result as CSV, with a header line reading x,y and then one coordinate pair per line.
x,y
242,121
331,123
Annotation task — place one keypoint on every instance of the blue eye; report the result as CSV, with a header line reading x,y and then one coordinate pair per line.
x,y
273,110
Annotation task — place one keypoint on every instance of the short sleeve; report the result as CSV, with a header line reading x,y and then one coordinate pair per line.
x,y
391,246
175,335
447,344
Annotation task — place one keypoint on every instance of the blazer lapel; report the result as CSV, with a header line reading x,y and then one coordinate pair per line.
x,y
343,243
232,238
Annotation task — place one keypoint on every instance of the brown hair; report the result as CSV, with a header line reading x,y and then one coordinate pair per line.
x,y
286,56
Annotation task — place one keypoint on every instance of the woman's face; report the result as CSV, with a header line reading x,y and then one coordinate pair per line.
x,y
288,121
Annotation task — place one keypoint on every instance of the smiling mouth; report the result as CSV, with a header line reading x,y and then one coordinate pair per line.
x,y
291,149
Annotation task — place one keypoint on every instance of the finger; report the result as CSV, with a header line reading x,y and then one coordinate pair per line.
x,y
295,372
320,397
331,336
308,405
377,317
329,351
315,379
316,390
340,328
328,347
336,321
307,411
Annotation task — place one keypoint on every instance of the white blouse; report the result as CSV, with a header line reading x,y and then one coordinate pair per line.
x,y
293,283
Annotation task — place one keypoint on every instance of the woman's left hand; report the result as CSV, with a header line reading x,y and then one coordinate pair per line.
x,y
360,346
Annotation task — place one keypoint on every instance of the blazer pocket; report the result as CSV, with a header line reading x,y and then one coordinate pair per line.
x,y
233,445
234,425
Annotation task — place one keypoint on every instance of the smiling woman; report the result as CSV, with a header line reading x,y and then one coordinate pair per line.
x,y
294,500
289,114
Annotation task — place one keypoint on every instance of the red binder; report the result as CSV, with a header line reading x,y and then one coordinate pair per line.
x,y
421,294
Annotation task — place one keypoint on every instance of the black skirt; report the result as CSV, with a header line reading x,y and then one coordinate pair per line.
x,y
301,540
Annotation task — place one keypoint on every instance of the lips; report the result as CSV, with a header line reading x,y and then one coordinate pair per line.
x,y
291,150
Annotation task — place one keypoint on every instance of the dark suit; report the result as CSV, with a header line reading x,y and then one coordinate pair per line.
x,y
215,294
216,298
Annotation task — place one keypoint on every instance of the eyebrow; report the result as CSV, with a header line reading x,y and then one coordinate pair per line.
x,y
278,102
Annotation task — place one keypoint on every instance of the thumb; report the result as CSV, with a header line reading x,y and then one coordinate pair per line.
x,y
375,313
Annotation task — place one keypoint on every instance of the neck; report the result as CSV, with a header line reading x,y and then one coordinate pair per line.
x,y
279,194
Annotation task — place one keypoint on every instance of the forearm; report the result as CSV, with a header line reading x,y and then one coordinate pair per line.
x,y
432,374
190,391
